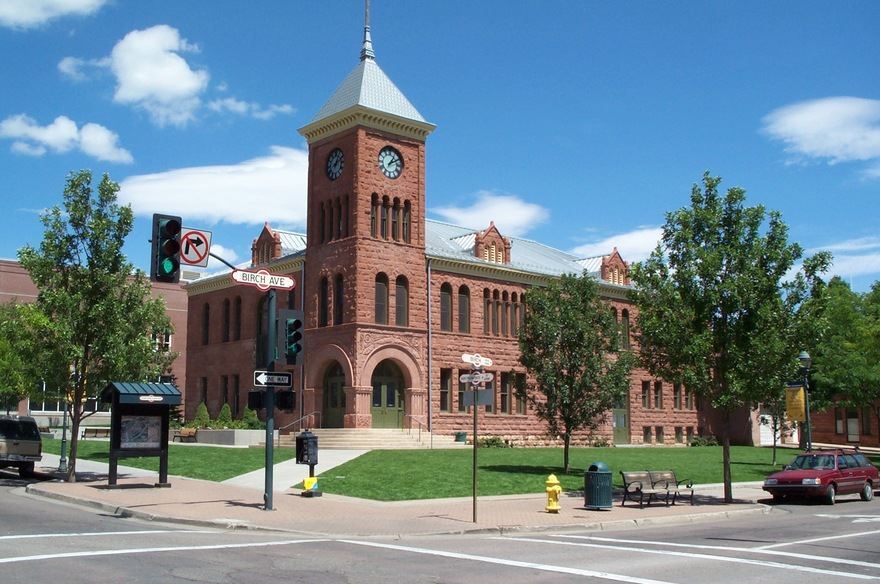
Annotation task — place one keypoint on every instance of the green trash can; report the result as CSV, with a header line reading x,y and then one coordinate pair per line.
x,y
461,436
597,486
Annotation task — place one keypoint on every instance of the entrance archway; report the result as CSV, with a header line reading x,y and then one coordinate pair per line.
x,y
387,405
333,406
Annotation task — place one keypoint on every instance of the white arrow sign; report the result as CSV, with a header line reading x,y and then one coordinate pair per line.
x,y
264,378
476,360
263,279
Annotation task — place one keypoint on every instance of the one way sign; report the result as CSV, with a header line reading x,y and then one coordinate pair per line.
x,y
264,378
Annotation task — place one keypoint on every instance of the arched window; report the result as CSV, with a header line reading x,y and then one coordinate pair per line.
x,y
505,314
487,312
236,320
464,310
374,212
496,312
446,307
384,218
514,315
323,302
338,299
401,301
395,220
345,220
407,212
226,315
381,299
206,323
624,329
615,341
338,218
322,224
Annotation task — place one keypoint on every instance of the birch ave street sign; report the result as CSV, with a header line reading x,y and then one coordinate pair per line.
x,y
475,377
263,279
476,360
266,378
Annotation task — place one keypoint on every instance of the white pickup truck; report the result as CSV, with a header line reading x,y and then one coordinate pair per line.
x,y
20,444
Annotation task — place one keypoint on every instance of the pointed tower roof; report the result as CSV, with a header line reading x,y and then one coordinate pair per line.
x,y
367,97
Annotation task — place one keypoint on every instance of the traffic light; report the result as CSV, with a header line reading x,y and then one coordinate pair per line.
x,y
165,260
291,333
284,400
255,399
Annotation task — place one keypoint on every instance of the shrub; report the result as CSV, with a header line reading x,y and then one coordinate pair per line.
x,y
202,419
600,442
250,421
493,442
704,441
224,418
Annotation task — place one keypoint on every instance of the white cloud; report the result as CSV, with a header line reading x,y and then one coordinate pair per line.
x,y
62,135
73,67
224,252
244,108
854,257
33,13
511,215
633,245
151,75
269,188
836,129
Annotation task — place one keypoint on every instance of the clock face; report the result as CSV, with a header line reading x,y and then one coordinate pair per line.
x,y
335,162
390,162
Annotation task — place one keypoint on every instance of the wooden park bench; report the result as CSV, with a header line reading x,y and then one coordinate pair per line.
x,y
92,432
665,480
637,486
185,434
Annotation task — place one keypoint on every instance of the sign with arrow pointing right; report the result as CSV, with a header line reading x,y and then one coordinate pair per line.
x,y
194,246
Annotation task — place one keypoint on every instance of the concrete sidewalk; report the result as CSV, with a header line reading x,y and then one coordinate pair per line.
x,y
238,503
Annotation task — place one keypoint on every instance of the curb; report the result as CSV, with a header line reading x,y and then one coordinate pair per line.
x,y
233,524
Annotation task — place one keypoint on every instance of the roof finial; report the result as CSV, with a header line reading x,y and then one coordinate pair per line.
x,y
367,50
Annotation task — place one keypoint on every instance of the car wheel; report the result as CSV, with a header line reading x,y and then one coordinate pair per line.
x,y
830,494
26,471
867,492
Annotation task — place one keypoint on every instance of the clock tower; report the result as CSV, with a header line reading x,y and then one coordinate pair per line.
x,y
365,281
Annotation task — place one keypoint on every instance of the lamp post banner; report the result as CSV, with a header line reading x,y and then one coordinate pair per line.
x,y
795,404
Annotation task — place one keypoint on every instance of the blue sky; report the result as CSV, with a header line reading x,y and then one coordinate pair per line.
x,y
574,123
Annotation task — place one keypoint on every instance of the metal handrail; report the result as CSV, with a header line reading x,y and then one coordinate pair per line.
x,y
298,420
421,425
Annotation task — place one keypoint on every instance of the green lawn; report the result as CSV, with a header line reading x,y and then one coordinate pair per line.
x,y
396,475
199,462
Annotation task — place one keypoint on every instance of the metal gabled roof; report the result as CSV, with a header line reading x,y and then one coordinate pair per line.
x,y
443,240
142,392
291,241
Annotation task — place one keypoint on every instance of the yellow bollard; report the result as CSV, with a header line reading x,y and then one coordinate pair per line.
x,y
553,490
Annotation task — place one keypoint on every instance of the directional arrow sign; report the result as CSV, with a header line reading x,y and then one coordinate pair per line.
x,y
194,246
476,360
263,279
266,378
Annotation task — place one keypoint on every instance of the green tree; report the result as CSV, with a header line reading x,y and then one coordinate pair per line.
x,y
94,312
224,418
203,418
846,362
715,309
14,382
567,343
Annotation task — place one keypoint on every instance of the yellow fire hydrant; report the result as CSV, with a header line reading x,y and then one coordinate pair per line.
x,y
553,490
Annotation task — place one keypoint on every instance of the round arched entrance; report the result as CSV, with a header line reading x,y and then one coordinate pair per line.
x,y
387,407
333,407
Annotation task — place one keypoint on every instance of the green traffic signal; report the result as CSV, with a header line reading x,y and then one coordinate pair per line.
x,y
165,260
293,337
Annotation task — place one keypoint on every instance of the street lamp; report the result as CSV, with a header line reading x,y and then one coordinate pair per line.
x,y
806,361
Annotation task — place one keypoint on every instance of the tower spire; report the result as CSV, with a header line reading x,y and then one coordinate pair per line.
x,y
367,50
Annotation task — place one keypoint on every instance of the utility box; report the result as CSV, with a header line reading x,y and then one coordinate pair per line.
x,y
597,486
306,448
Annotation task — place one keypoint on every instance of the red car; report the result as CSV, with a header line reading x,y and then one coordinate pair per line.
x,y
825,474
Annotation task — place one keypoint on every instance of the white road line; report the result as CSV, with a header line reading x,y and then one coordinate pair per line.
x,y
729,548
511,563
122,552
791,567
97,533
815,539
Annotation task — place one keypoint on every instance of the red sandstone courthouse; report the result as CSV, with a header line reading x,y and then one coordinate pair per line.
x,y
392,300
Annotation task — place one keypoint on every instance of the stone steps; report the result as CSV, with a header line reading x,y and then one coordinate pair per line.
x,y
374,439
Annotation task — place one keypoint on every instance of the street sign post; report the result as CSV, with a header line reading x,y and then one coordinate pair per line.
x,y
195,245
271,378
476,360
263,279
476,378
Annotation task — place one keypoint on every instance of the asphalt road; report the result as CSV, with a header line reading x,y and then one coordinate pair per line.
x,y
43,541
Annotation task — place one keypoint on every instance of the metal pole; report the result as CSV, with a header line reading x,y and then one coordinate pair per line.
x,y
476,388
270,403
807,406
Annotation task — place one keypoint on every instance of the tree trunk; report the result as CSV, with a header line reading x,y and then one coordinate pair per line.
x,y
725,449
775,427
566,441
